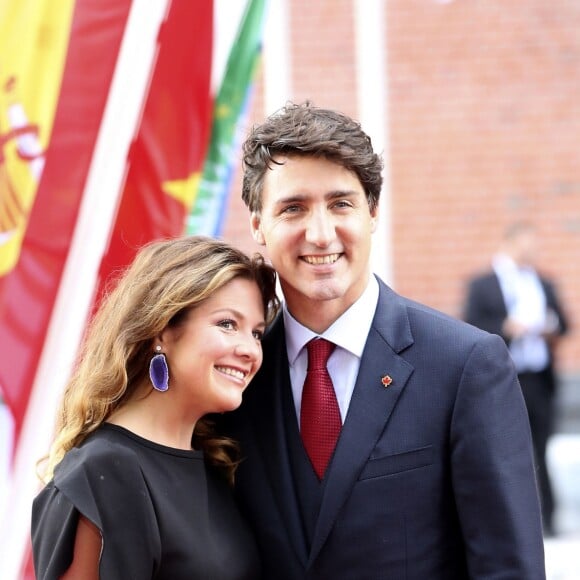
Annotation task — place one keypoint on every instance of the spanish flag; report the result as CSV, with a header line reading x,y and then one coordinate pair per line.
x,y
57,62
56,67
105,110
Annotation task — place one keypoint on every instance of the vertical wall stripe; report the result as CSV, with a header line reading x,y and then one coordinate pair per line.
x,y
373,107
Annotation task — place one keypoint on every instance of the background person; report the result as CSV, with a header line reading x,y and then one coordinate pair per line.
x,y
128,496
520,305
432,474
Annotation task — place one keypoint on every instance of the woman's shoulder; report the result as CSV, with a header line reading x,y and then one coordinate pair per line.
x,y
103,470
101,479
102,451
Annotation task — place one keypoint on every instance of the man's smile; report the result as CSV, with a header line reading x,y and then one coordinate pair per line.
x,y
317,259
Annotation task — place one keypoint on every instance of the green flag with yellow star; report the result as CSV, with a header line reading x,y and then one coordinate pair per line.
x,y
208,207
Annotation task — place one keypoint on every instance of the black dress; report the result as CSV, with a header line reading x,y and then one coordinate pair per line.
x,y
161,512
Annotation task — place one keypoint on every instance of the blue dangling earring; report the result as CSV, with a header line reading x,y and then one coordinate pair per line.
x,y
158,371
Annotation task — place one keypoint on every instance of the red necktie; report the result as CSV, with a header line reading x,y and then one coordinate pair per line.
x,y
320,421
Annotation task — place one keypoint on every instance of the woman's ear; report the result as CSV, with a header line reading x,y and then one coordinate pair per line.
x,y
160,339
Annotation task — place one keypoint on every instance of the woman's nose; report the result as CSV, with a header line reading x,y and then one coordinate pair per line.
x,y
249,347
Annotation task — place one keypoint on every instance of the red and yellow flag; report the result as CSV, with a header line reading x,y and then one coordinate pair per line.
x,y
33,46
56,68
55,72
166,159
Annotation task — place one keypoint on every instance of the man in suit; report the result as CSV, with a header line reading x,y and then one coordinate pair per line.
x,y
515,302
431,477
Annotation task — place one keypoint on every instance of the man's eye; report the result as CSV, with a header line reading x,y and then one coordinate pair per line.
x,y
291,209
342,204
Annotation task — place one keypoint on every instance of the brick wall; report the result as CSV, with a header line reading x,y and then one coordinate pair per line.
x,y
484,109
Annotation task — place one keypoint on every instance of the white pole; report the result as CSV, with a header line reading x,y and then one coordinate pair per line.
x,y
276,56
373,106
104,183
227,16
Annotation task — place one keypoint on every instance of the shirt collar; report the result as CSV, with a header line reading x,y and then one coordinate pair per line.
x,y
503,264
349,331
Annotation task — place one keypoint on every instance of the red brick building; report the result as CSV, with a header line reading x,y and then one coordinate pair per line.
x,y
479,114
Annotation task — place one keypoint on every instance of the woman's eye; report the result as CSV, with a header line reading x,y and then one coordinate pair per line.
x,y
258,334
227,324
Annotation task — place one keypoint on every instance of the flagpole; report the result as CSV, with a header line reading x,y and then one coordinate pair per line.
x,y
277,63
373,106
104,184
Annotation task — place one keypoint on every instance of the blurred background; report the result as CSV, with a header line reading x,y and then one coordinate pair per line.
x,y
120,122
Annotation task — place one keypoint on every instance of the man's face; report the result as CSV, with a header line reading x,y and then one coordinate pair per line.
x,y
526,248
316,225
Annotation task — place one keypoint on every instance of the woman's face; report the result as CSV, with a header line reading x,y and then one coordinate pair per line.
x,y
216,352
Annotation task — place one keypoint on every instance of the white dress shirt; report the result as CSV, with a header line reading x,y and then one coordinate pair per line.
x,y
525,302
349,333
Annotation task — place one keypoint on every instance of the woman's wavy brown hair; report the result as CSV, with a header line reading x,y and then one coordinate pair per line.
x,y
166,279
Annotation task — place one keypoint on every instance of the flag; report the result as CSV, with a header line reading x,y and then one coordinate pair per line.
x,y
208,210
50,114
33,44
165,162
152,197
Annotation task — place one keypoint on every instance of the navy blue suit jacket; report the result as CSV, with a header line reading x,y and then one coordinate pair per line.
x,y
432,477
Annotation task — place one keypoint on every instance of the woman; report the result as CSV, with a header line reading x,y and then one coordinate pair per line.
x,y
137,481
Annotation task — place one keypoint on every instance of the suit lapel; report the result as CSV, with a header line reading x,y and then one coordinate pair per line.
x,y
269,417
370,408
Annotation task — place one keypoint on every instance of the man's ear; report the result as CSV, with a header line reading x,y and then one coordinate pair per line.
x,y
374,218
256,227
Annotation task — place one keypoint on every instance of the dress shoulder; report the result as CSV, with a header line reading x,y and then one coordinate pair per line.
x,y
103,481
53,530
99,475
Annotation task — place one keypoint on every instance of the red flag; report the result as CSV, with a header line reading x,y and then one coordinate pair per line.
x,y
28,287
163,167
166,159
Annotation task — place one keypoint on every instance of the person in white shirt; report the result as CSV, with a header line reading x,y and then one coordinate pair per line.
x,y
514,301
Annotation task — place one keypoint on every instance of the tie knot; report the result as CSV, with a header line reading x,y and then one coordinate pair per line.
x,y
319,351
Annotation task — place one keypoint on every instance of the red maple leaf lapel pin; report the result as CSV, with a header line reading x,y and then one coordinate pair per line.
x,y
386,381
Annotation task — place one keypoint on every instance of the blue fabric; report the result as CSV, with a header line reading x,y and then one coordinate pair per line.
x,y
432,477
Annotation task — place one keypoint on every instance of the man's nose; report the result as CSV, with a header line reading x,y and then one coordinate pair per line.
x,y
320,228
